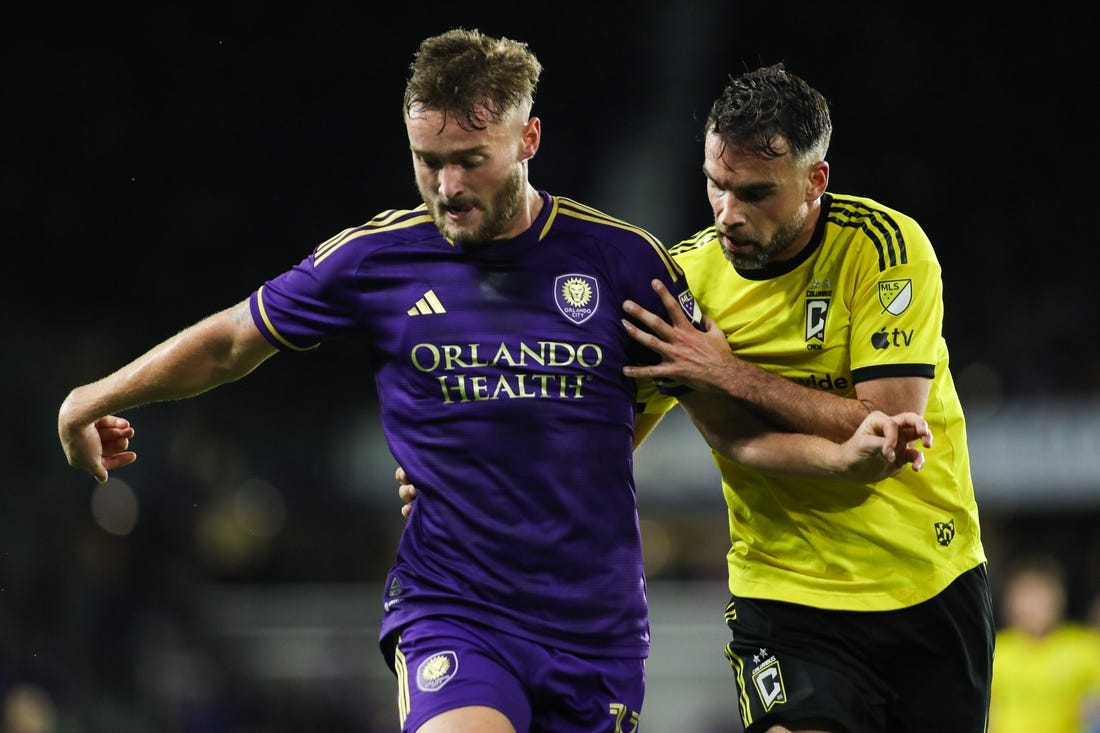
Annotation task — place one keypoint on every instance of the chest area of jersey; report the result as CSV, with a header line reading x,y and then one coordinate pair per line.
x,y
524,330
570,302
797,327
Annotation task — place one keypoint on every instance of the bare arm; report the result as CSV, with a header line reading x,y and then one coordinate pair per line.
x,y
221,348
703,361
879,446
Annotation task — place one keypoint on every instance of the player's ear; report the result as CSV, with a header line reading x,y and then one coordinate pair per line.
x,y
532,136
819,180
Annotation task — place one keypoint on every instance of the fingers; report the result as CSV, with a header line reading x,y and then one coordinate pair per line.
x,y
405,490
898,433
914,427
658,328
911,428
118,460
675,313
656,324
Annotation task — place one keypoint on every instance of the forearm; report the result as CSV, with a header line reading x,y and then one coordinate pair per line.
x,y
790,454
743,438
792,406
205,355
874,450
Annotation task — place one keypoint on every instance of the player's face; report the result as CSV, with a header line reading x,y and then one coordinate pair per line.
x,y
761,205
474,182
1034,603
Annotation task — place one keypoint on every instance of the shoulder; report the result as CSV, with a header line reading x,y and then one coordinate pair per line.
x,y
892,237
632,244
874,219
573,216
389,228
697,244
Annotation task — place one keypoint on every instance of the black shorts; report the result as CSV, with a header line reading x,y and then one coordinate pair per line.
x,y
923,668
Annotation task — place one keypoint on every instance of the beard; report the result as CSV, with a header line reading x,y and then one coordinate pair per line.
x,y
764,253
502,208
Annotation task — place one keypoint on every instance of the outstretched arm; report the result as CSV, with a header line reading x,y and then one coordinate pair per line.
x,y
879,447
703,361
221,348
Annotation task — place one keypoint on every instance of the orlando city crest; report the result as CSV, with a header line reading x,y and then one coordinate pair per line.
x,y
436,671
577,296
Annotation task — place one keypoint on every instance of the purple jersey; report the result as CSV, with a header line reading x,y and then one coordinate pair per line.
x,y
499,375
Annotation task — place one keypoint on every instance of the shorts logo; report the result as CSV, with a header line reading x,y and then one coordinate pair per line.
x,y
895,295
945,532
768,680
436,671
577,296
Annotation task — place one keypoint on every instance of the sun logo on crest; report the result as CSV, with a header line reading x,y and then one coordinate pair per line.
x,y
576,292
436,667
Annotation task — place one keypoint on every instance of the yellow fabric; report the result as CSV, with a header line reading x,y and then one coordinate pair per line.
x,y
1043,684
864,301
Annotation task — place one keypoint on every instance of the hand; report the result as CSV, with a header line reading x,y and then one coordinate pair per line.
x,y
406,491
883,444
98,447
699,359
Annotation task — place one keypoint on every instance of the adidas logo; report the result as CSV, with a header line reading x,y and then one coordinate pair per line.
x,y
427,305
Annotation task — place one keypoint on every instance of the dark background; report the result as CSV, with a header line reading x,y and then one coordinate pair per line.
x,y
160,164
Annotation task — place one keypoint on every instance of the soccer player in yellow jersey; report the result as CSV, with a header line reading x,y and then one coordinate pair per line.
x,y
1046,675
856,607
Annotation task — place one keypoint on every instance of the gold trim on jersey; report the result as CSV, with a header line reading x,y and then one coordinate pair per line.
x,y
569,207
271,328
385,222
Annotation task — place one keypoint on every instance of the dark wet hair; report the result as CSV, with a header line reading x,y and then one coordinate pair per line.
x,y
762,108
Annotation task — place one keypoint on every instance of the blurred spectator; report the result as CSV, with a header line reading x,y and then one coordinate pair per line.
x,y
1046,670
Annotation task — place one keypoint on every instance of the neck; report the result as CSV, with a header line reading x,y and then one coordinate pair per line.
x,y
530,206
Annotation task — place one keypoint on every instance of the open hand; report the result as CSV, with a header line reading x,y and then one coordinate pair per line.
x,y
701,359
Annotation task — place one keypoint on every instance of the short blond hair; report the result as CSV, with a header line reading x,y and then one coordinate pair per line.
x,y
473,78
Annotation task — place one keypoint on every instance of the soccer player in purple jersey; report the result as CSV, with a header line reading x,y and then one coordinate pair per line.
x,y
491,314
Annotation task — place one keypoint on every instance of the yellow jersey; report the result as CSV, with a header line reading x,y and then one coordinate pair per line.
x,y
862,301
1045,684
